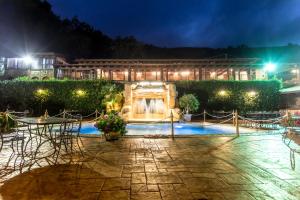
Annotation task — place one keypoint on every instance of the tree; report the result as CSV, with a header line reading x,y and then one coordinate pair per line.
x,y
189,103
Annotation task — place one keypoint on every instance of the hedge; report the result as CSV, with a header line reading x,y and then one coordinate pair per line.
x,y
228,95
86,96
55,95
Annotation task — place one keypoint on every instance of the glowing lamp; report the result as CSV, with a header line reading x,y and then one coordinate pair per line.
x,y
294,71
80,93
40,91
252,93
212,74
186,73
270,67
28,60
222,93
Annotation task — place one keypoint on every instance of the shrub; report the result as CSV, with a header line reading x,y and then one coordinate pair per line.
x,y
111,123
55,95
228,95
188,103
6,123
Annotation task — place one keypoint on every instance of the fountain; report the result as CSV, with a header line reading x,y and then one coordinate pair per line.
x,y
148,101
149,106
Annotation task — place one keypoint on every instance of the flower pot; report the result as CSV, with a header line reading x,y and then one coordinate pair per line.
x,y
187,117
110,136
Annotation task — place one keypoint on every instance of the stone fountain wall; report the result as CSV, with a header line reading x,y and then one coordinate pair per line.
x,y
132,94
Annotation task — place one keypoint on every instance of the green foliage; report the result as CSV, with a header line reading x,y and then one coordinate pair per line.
x,y
6,123
229,95
111,123
23,78
189,103
84,96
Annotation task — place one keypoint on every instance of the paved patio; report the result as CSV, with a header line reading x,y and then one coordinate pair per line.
x,y
207,167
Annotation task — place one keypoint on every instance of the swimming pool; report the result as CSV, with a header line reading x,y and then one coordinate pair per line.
x,y
165,129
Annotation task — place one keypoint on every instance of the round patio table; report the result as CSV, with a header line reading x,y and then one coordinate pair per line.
x,y
43,131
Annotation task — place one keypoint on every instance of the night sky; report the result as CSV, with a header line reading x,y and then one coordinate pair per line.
x,y
201,23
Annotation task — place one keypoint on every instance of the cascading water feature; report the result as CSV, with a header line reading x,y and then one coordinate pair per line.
x,y
148,101
149,106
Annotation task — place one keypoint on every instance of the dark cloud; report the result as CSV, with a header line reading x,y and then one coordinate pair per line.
x,y
215,23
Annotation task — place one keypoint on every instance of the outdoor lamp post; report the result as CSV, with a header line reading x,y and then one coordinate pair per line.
x,y
270,68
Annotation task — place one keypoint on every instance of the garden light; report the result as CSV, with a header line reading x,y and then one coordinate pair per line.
x,y
40,91
270,67
80,93
222,93
252,93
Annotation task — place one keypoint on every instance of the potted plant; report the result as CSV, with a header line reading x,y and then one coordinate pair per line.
x,y
188,103
111,125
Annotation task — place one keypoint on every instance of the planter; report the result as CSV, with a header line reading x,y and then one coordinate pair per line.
x,y
187,117
112,136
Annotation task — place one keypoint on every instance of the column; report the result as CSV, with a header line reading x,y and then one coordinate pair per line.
x,y
110,77
129,74
167,75
203,73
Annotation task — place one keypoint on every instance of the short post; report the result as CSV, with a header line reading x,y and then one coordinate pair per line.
x,y
64,113
46,115
172,125
237,123
233,118
96,113
204,117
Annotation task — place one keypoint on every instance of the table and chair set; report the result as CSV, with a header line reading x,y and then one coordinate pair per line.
x,y
36,141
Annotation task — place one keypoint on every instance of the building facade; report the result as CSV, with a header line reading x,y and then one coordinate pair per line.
x,y
162,69
36,66
44,66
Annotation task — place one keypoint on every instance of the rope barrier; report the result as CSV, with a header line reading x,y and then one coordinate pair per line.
x,y
222,122
261,120
194,115
219,117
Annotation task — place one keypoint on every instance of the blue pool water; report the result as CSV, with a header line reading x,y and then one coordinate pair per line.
x,y
165,129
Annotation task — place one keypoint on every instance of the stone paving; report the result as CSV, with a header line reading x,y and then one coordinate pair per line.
x,y
206,167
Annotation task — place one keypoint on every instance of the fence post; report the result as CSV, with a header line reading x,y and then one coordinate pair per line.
x,y
46,115
172,125
204,117
237,123
96,113
233,117
64,113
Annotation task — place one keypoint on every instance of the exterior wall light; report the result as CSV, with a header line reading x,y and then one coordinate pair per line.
x,y
294,71
154,73
185,73
212,74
